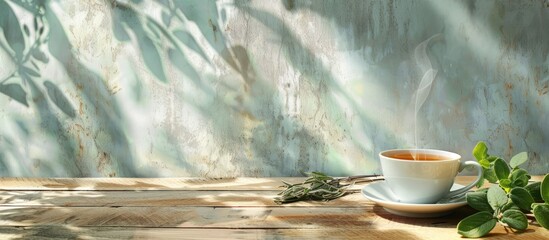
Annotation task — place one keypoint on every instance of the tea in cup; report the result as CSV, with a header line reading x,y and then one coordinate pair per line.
x,y
424,176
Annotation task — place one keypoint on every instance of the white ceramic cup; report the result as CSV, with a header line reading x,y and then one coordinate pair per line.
x,y
425,182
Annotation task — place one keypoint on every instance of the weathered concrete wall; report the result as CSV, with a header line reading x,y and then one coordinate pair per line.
x,y
266,88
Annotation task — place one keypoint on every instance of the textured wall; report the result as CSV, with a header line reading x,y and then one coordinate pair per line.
x,y
266,88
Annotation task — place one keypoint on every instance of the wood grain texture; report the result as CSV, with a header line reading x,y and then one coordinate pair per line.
x,y
118,184
205,209
162,198
390,229
70,232
166,184
188,217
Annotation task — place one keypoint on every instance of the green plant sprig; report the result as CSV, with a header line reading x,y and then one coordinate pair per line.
x,y
318,186
508,199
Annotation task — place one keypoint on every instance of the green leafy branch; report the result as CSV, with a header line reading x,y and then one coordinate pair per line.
x,y
508,199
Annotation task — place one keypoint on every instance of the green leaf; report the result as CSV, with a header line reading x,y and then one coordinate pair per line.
x,y
480,151
492,158
490,175
505,183
519,159
519,177
502,169
509,205
541,212
544,188
497,198
522,198
515,219
476,225
480,183
534,190
479,201
484,163
534,205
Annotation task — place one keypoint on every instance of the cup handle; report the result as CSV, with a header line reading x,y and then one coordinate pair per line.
x,y
471,185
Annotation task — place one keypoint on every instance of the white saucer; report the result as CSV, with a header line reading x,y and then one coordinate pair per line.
x,y
380,193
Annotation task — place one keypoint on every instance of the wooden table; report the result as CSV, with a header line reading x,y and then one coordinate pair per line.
x,y
190,208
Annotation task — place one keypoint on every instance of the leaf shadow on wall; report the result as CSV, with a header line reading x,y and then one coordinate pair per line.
x,y
239,115
95,92
91,86
257,131
242,114
310,65
24,56
152,38
49,33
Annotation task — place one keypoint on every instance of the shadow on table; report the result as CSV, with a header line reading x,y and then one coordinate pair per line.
x,y
64,232
351,233
55,232
448,221
136,185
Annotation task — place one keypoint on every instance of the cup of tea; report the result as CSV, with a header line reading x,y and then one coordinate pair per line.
x,y
424,176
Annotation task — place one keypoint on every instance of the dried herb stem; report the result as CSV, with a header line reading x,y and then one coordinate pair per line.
x,y
321,187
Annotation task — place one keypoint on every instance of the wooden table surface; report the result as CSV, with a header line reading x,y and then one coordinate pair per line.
x,y
191,208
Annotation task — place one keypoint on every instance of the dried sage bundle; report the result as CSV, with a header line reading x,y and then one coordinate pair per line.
x,y
318,186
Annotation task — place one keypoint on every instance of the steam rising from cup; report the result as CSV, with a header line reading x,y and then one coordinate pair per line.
x,y
429,74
